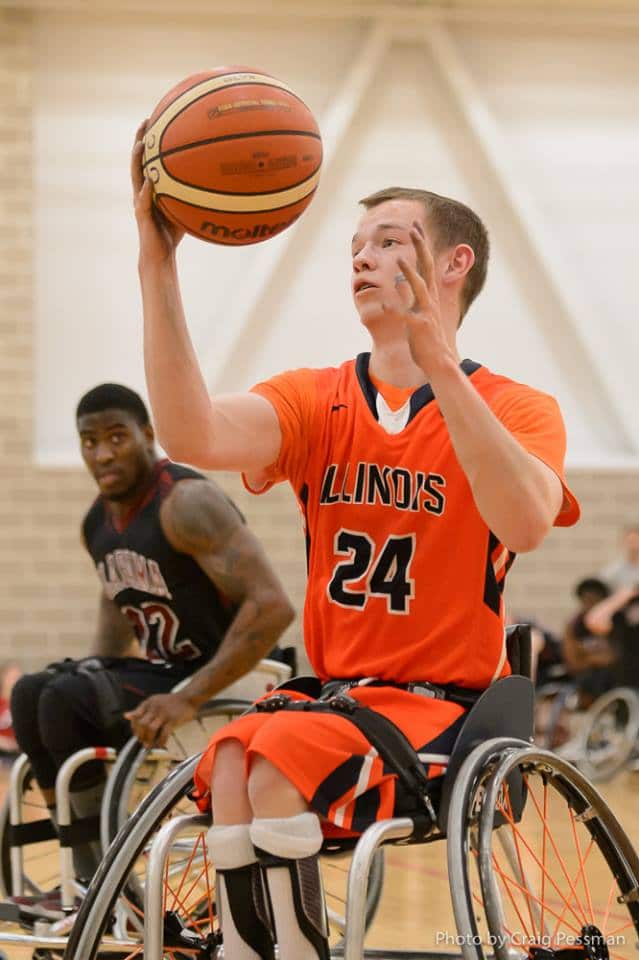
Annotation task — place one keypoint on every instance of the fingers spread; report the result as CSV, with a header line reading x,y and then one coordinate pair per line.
x,y
425,263
416,284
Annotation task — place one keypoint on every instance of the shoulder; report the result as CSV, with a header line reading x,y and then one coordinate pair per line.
x,y
296,386
197,514
506,396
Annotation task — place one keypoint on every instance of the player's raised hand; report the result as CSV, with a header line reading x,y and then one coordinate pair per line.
x,y
424,328
158,237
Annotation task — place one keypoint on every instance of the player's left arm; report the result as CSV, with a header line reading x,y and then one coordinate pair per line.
x,y
198,519
517,494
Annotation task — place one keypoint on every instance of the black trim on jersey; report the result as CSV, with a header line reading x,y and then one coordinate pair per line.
x,y
304,501
419,399
493,589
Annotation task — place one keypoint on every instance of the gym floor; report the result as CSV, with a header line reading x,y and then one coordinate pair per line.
x,y
415,911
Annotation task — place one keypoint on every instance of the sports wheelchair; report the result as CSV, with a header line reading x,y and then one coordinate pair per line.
x,y
34,857
599,739
538,865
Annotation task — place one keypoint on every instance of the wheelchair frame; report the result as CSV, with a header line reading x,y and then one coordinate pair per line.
x,y
476,764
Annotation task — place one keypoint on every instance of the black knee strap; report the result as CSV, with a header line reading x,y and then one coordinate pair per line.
x,y
249,908
107,691
308,900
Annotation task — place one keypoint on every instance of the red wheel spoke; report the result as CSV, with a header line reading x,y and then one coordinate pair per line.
x,y
515,832
604,923
528,893
584,879
575,881
510,896
580,920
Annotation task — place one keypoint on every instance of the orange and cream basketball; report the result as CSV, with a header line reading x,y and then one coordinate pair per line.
x,y
233,155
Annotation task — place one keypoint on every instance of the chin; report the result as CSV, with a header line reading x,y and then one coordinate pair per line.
x,y
117,494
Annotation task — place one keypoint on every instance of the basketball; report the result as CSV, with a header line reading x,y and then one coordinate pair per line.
x,y
233,155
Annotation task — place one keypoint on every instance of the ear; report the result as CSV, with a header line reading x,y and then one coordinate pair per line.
x,y
149,434
457,262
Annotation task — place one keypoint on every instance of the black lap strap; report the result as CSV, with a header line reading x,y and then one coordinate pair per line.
x,y
80,831
392,745
22,834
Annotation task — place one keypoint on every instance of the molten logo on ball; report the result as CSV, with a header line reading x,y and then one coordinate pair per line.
x,y
259,232
250,156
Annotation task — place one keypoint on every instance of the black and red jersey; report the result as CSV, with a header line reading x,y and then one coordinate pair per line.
x,y
176,611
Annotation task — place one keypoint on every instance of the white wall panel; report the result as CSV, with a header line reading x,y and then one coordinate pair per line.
x,y
566,105
97,77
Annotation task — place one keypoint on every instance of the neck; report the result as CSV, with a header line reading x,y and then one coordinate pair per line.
x,y
391,358
393,363
120,508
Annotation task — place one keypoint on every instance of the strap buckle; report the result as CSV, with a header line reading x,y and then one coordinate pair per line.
x,y
425,689
279,701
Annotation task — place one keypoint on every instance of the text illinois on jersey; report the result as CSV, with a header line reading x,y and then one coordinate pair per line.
x,y
386,486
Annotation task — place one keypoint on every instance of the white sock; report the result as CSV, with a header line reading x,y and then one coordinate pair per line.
x,y
288,852
240,900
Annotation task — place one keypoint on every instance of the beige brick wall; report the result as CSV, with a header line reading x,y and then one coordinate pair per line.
x,y
48,590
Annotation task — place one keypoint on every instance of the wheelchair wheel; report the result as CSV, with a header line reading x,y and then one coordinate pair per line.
x,y
462,844
558,875
40,870
112,912
608,735
137,769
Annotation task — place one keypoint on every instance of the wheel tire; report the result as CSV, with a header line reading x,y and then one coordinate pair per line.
x,y
461,828
537,893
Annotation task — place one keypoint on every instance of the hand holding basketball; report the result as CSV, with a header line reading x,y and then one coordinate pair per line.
x,y
233,156
158,236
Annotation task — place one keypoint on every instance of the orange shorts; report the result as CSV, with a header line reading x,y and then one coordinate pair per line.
x,y
330,761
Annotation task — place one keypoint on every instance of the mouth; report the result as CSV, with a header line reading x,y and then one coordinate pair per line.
x,y
362,285
109,477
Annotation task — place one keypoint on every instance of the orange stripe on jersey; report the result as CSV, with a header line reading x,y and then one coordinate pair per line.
x,y
405,580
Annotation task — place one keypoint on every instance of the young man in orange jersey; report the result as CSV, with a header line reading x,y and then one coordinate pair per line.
x,y
419,477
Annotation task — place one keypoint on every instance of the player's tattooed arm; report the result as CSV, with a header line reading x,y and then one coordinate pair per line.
x,y
114,635
198,519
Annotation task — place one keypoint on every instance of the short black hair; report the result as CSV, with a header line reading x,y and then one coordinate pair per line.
x,y
592,585
113,396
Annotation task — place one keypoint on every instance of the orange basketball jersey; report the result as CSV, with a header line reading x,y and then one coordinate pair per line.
x,y
405,579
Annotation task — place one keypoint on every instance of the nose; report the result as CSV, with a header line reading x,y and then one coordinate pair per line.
x,y
364,259
103,453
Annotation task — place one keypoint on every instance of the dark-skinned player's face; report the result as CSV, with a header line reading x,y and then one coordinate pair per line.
x,y
118,452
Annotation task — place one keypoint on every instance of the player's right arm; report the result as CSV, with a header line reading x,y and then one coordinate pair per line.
x,y
114,635
233,432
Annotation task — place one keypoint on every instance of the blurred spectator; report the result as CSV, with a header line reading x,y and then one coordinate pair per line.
x,y
588,654
624,572
618,617
545,653
9,673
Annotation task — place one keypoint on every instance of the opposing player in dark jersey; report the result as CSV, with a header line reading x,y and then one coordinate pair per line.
x,y
187,594
419,477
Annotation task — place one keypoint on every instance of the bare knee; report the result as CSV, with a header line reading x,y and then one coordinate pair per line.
x,y
229,796
270,793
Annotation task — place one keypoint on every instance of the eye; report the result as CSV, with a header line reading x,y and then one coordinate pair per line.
x,y
387,241
117,438
87,443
